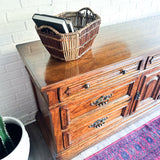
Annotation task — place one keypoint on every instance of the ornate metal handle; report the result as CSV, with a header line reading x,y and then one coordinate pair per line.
x,y
98,123
102,100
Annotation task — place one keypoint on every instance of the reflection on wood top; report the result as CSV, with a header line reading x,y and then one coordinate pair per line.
x,y
112,45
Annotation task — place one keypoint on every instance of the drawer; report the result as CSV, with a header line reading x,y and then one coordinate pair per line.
x,y
152,61
90,124
96,82
102,100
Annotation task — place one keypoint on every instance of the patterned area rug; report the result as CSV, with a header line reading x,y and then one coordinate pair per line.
x,y
141,144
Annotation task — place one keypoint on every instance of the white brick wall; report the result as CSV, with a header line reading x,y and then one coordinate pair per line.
x,y
16,26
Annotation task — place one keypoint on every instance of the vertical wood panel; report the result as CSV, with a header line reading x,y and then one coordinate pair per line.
x,y
53,97
57,128
65,117
66,139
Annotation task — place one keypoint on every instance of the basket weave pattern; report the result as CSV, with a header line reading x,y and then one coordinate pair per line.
x,y
71,46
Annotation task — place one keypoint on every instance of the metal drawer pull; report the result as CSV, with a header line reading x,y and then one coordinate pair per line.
x,y
102,100
151,60
98,123
67,91
86,86
124,71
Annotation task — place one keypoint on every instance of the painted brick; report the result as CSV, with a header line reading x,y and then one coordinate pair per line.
x,y
2,69
28,118
14,66
144,4
25,100
29,87
23,109
73,5
4,60
30,3
5,39
2,17
21,80
5,85
12,90
9,4
28,110
101,4
155,5
46,10
127,7
20,14
8,50
12,27
11,75
30,25
10,111
29,103
21,94
59,7
3,109
24,71
106,15
158,8
133,15
8,100
25,36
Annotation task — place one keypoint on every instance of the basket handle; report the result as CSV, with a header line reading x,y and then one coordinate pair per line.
x,y
47,27
87,9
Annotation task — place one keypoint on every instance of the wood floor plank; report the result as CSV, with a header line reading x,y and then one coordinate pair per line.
x,y
38,149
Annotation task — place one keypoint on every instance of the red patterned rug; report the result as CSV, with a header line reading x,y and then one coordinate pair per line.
x,y
141,144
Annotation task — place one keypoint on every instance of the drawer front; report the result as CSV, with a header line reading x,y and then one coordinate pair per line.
x,y
96,82
104,100
92,124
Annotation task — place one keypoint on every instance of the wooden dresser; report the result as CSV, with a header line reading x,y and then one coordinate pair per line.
x,y
117,82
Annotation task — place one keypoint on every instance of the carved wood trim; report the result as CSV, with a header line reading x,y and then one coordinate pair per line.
x,y
57,129
66,139
156,92
65,117
149,80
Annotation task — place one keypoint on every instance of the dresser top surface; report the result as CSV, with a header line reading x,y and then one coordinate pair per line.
x,y
113,44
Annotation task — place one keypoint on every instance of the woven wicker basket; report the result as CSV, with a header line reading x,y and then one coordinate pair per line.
x,y
71,46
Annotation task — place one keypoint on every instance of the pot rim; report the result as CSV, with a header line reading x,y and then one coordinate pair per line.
x,y
16,121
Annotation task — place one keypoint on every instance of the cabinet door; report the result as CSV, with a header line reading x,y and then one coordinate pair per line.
x,y
149,88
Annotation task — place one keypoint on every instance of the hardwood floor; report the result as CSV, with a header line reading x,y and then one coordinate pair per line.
x,y
38,149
